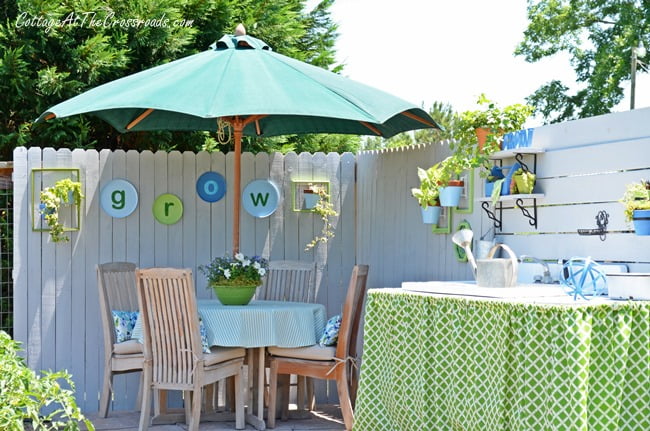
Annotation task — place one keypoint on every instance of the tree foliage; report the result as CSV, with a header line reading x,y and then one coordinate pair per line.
x,y
599,36
443,114
51,51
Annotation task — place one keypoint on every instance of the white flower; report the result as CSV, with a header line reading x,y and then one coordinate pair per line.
x,y
261,271
226,273
256,265
239,257
246,263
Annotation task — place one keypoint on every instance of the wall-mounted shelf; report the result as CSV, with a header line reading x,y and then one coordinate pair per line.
x,y
496,214
506,154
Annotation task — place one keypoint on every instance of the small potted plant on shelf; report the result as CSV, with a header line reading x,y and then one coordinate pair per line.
x,y
234,279
64,192
428,193
636,200
324,208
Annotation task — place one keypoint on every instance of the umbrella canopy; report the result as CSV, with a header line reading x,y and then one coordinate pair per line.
x,y
240,80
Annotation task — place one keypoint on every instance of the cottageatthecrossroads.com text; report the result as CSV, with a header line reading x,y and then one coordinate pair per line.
x,y
94,20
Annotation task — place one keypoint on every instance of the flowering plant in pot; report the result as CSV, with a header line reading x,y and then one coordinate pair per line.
x,y
636,200
235,278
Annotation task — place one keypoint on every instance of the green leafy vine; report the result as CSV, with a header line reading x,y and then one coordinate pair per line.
x,y
64,192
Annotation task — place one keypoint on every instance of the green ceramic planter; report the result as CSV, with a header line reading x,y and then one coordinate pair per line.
x,y
234,295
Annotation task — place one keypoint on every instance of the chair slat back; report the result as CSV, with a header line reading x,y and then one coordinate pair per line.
x,y
289,280
117,291
171,326
352,310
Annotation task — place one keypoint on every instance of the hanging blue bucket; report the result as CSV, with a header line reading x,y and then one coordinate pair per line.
x,y
450,196
641,219
430,215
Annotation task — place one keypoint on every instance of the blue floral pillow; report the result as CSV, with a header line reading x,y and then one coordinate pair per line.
x,y
204,336
331,331
124,322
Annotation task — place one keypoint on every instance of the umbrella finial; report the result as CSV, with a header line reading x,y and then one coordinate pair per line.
x,y
240,30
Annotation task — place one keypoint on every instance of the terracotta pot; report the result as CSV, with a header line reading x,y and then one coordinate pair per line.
x,y
482,134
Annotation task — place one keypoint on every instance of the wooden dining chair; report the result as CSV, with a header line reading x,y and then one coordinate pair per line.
x,y
292,280
329,362
117,292
289,280
174,357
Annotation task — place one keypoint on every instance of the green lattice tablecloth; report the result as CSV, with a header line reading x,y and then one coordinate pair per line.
x,y
443,363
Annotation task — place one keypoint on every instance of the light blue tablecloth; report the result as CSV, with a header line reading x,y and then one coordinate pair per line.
x,y
259,324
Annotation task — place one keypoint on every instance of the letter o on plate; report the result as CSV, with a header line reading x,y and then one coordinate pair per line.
x,y
211,186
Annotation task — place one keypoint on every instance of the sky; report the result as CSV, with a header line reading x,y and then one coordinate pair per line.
x,y
448,51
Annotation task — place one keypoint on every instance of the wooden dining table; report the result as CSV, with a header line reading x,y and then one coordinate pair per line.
x,y
255,326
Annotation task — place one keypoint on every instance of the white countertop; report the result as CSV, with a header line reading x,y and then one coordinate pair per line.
x,y
524,293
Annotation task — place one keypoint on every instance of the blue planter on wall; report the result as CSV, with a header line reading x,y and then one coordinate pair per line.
x,y
450,196
430,214
641,219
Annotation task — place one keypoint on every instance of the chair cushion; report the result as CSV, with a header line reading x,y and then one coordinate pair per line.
x,y
331,331
314,353
223,354
124,322
204,336
128,347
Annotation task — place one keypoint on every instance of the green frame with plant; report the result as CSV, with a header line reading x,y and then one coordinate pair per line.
x,y
636,197
66,191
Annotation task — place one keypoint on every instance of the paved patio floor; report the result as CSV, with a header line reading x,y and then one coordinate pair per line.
x,y
324,418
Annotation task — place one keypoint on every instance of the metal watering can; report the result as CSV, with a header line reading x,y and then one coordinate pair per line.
x,y
489,272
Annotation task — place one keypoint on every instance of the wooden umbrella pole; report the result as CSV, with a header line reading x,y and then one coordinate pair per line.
x,y
238,124
238,130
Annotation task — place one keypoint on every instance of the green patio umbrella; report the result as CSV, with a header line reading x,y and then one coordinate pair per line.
x,y
241,81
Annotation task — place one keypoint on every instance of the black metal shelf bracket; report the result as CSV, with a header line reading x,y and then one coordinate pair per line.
x,y
492,214
520,159
532,218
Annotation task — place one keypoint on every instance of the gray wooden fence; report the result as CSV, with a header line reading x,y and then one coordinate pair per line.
x,y
55,295
583,170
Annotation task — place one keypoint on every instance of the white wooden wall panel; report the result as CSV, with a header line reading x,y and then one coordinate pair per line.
x,y
584,170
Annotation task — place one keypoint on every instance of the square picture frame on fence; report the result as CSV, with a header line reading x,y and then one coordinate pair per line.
x,y
444,222
466,204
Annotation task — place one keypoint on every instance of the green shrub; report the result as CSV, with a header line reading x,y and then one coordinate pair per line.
x,y
23,394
